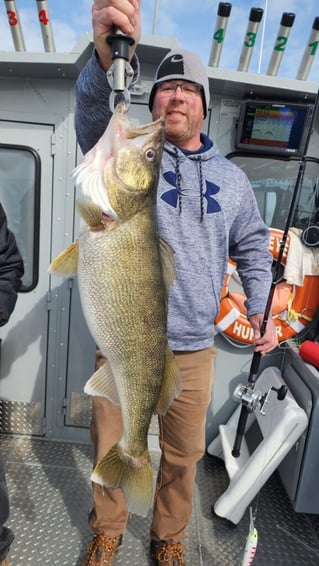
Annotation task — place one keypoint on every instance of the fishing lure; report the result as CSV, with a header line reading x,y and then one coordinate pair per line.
x,y
251,543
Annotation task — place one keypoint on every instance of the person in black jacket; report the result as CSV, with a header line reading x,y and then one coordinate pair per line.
x,y
11,272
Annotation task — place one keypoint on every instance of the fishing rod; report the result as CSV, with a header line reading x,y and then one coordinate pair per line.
x,y
245,394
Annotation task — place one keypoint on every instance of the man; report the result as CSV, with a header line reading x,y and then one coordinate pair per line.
x,y
203,205
11,271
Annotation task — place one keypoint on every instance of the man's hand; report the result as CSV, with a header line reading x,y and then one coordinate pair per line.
x,y
269,340
107,15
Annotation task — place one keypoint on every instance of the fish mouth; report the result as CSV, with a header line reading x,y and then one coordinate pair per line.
x,y
146,129
124,131
89,176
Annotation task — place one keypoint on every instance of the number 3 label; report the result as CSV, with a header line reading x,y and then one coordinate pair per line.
x,y
12,17
251,39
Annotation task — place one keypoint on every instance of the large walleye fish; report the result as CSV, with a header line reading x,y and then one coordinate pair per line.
x,y
124,271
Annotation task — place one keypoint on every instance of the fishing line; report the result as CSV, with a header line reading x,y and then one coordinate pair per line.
x,y
253,508
310,234
297,539
233,343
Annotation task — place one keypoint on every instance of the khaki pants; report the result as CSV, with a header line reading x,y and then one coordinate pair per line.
x,y
182,441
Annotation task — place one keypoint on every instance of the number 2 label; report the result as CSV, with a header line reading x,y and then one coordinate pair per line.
x,y
282,42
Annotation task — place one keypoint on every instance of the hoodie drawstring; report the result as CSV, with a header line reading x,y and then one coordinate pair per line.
x,y
179,185
201,184
178,181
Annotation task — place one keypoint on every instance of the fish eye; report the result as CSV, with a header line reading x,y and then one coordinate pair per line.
x,y
150,154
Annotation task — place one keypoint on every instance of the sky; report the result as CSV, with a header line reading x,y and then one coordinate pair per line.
x,y
191,23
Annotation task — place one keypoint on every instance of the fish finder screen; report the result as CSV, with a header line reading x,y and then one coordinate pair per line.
x,y
273,127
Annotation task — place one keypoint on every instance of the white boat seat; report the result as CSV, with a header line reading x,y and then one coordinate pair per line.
x,y
280,428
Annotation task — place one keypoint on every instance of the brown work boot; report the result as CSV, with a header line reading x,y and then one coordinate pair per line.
x,y
5,562
101,551
168,553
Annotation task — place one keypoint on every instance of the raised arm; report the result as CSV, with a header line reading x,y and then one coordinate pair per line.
x,y
92,112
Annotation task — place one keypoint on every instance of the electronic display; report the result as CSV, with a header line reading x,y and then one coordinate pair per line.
x,y
273,127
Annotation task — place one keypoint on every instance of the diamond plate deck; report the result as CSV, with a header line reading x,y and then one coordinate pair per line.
x,y
50,496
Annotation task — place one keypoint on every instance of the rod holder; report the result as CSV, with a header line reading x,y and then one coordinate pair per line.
x,y
310,52
286,23
223,13
15,26
255,18
46,26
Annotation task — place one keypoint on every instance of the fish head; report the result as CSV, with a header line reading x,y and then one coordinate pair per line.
x,y
120,173
131,177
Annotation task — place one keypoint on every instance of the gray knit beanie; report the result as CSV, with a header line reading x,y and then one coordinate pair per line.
x,y
185,65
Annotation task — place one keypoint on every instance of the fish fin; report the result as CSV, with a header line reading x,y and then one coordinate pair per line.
x,y
133,475
102,383
66,263
91,213
168,264
171,384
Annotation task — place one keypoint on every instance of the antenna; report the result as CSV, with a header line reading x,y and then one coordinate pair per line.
x,y
154,29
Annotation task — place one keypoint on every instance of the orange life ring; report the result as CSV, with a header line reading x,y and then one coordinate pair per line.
x,y
292,309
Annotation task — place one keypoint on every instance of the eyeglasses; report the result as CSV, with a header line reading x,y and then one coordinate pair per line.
x,y
189,90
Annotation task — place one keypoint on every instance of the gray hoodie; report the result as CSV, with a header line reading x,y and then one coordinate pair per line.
x,y
206,211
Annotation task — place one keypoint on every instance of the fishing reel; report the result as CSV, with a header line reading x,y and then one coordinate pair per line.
x,y
253,399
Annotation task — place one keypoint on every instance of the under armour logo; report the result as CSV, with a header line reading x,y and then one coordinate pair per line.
x,y
171,196
212,204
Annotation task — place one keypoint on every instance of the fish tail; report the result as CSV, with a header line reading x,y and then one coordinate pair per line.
x,y
133,475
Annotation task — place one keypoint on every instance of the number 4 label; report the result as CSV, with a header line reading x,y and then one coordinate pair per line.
x,y
43,18
219,35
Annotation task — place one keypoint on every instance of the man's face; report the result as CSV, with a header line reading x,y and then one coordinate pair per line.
x,y
182,109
